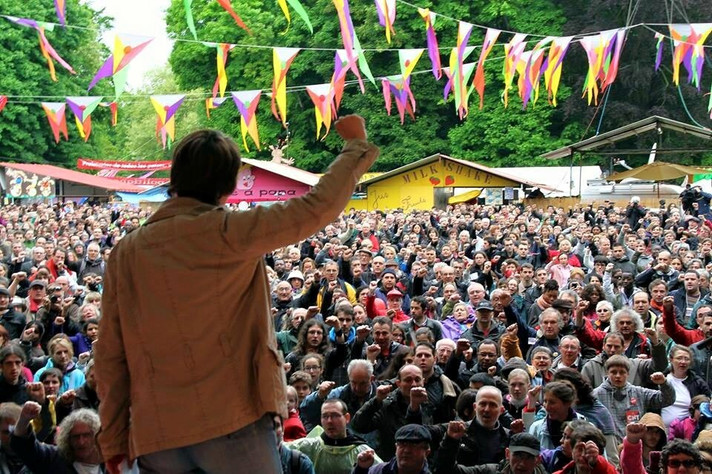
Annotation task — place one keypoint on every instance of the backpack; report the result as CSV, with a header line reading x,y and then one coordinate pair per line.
x,y
294,461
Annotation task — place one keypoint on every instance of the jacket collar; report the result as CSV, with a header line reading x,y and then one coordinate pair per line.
x,y
180,206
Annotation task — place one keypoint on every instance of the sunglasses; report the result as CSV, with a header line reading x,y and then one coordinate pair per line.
x,y
676,463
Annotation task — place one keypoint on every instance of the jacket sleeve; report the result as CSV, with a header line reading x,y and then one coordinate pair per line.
x,y
310,410
112,374
446,460
658,399
369,417
40,458
590,336
658,362
677,333
256,232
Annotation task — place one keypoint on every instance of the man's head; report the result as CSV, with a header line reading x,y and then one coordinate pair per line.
x,y
523,453
424,358
382,331
444,349
76,437
334,418
658,290
388,279
412,448
9,414
360,372
487,354
488,406
613,344
283,291
641,303
12,360
627,322
519,383
205,165
476,293
550,291
551,322
692,282
681,456
93,250
570,348
617,370
409,376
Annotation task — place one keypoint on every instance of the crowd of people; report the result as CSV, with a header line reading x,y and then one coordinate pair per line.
x,y
475,339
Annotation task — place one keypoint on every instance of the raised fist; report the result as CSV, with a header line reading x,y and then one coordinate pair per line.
x,y
365,459
456,429
382,392
658,378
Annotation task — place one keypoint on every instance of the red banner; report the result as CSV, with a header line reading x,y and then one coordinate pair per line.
x,y
144,181
87,164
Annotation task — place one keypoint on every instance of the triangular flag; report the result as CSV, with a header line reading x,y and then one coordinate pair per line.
x,y
166,107
322,95
408,58
479,82
187,6
3,102
223,49
246,103
433,50
386,16
281,59
226,5
125,50
688,43
212,103
299,9
512,51
352,46
57,119
82,107
399,88
114,108
46,48
603,52
60,7
553,67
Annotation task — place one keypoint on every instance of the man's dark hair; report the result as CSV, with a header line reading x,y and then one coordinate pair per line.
x,y
337,401
425,344
382,320
680,446
345,309
550,285
205,166
488,342
12,349
421,300
465,404
656,282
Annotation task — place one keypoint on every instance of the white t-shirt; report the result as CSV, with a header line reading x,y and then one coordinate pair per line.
x,y
84,468
681,408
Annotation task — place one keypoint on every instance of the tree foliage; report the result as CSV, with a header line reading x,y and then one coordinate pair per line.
x,y
25,135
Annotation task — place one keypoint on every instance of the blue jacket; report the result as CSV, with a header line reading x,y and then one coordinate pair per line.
x,y
286,457
73,377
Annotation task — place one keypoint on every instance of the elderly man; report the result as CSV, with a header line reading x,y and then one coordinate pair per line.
x,y
76,443
412,451
627,322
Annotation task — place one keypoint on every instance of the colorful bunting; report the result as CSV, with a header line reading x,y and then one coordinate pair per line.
x,y
46,48
603,51
114,108
659,47
386,16
458,74
221,81
399,88
351,42
187,4
300,11
408,58
60,7
322,96
3,102
530,70
57,120
116,64
82,107
433,51
212,103
166,107
553,66
512,51
688,41
338,79
226,5
479,82
281,59
246,103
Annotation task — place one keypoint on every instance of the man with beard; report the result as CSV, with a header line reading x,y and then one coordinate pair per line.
x,y
685,299
461,367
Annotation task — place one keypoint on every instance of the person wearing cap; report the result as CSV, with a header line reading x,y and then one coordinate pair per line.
x,y
522,456
296,279
192,237
485,325
388,282
36,293
394,306
10,319
412,451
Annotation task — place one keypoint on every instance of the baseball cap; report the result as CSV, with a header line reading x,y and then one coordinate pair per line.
x,y
413,434
484,305
524,443
394,294
39,283
3,291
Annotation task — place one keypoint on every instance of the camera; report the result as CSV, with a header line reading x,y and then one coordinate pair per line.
x,y
54,299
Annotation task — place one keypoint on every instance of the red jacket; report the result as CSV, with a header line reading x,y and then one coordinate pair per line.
x,y
679,334
601,467
293,427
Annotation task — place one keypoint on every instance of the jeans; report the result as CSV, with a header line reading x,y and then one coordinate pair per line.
x,y
252,449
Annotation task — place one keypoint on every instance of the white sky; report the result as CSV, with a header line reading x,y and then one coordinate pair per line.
x,y
139,17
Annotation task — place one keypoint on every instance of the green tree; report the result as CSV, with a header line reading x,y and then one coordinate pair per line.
x,y
25,135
